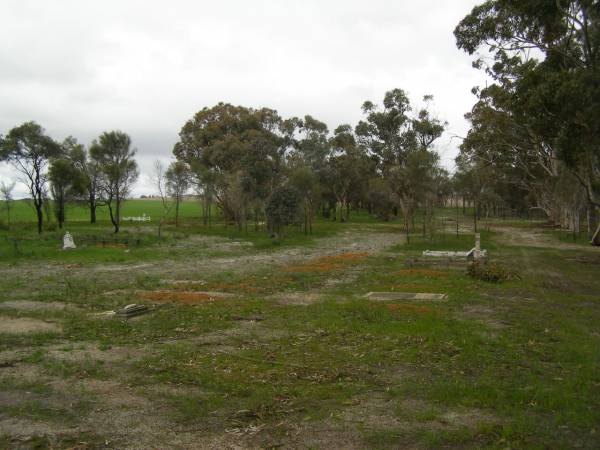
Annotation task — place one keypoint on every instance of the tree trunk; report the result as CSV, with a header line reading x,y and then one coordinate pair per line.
x,y
40,216
112,217
305,217
92,204
596,237
594,224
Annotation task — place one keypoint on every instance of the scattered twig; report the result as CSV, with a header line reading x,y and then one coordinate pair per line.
x,y
264,361
248,319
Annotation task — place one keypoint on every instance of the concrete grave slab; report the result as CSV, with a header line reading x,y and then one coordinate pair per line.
x,y
475,254
391,296
442,254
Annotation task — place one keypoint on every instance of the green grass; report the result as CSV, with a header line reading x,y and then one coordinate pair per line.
x,y
509,365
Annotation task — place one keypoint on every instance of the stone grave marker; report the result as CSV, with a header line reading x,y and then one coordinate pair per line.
x,y
68,242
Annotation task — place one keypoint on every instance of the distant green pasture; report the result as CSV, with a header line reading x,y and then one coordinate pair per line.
x,y
23,211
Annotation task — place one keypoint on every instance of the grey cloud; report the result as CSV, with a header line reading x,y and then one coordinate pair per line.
x,y
145,67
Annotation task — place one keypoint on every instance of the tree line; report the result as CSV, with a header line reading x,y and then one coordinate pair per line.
x,y
101,175
253,165
534,140
258,167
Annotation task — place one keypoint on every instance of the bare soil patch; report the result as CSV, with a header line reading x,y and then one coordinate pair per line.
x,y
85,351
32,305
586,259
23,430
25,325
297,298
121,267
379,412
484,314
534,237
325,434
327,263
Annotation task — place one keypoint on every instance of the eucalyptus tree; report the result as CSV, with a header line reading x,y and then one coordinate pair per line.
x,y
118,170
177,177
28,150
306,183
66,184
6,193
235,154
349,168
159,179
313,150
283,208
90,172
313,146
401,145
385,130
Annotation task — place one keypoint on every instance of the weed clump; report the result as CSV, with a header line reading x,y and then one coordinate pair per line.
x,y
491,272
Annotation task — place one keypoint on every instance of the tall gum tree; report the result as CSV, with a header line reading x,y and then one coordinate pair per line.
x,y
401,144
89,170
116,160
28,150
236,154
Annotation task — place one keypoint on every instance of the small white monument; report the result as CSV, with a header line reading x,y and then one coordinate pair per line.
x,y
68,242
476,253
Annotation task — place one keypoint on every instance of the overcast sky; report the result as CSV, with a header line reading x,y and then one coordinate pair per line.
x,y
145,67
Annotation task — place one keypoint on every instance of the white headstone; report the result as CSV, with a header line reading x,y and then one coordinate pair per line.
x,y
68,242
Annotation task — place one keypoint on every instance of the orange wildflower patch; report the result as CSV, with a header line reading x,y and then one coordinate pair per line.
x,y
422,273
244,286
185,297
187,286
327,263
250,285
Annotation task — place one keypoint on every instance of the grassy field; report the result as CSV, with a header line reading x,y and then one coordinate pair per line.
x,y
252,342
23,211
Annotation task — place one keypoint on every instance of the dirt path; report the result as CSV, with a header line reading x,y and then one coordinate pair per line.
x,y
351,240
348,241
535,237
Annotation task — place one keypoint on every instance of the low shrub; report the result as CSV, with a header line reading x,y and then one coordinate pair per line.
x,y
491,272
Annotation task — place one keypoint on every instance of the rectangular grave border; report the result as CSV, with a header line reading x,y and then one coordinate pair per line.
x,y
406,296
